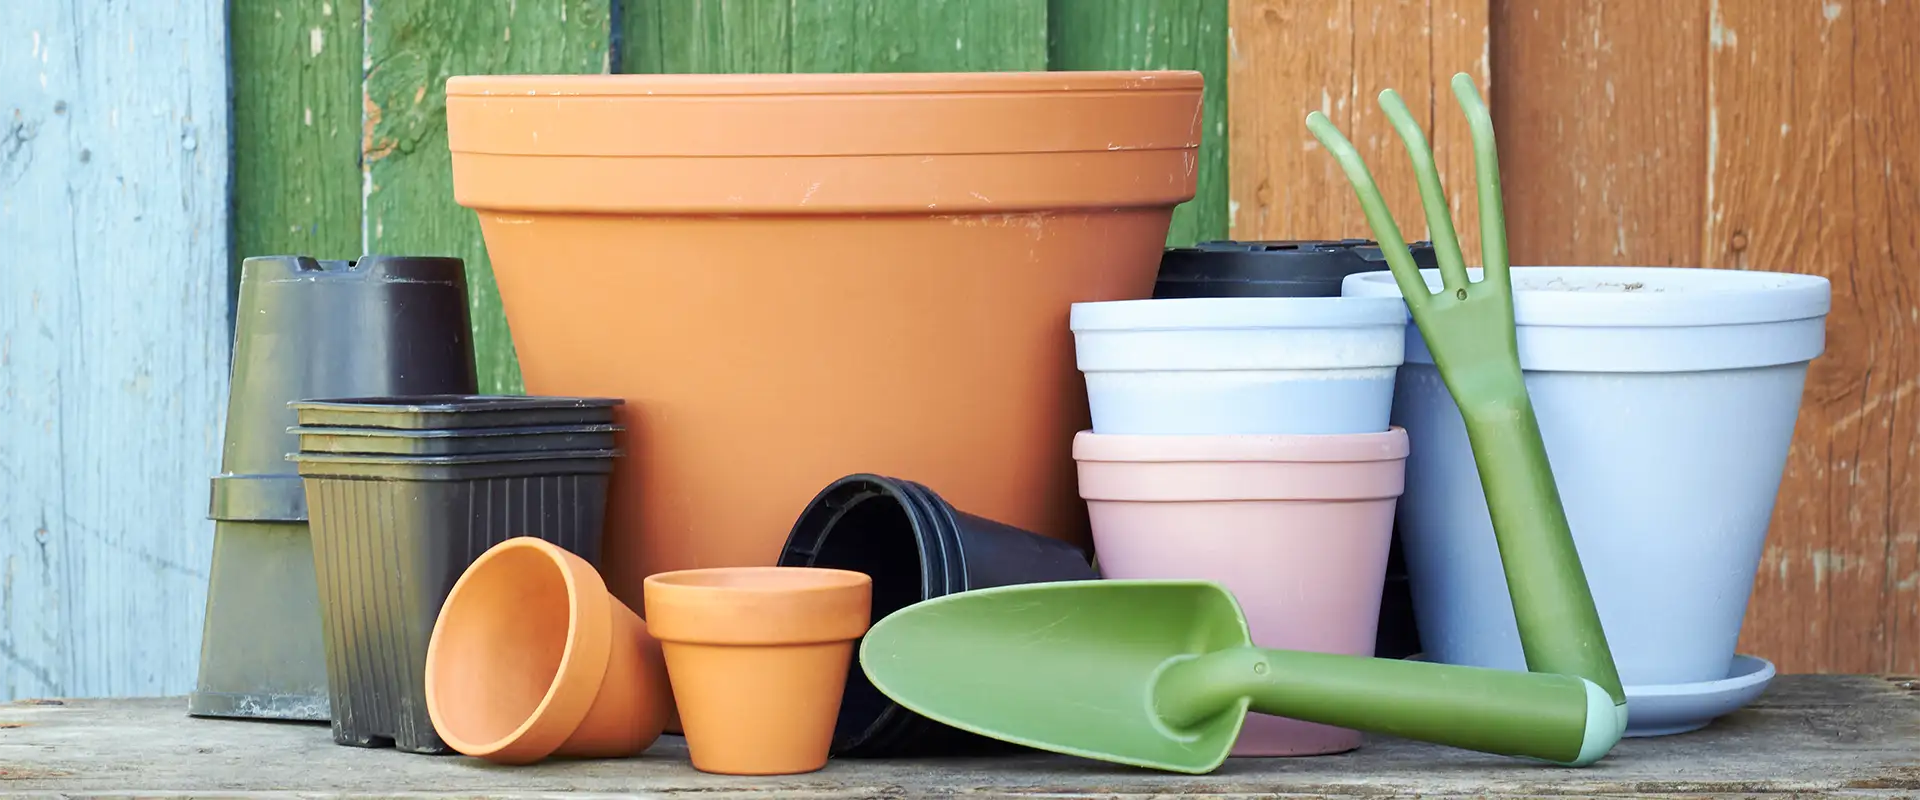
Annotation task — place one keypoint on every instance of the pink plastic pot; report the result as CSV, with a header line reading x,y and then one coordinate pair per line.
x,y
1296,527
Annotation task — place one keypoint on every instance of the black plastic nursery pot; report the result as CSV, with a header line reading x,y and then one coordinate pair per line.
x,y
306,328
1306,268
915,546
453,411
455,441
391,535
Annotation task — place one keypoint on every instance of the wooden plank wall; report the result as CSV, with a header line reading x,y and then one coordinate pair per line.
x,y
1740,134
113,340
1750,134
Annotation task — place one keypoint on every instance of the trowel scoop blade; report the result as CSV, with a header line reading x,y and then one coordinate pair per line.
x,y
1067,667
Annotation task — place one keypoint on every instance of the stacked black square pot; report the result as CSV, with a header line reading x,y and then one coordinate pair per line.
x,y
404,493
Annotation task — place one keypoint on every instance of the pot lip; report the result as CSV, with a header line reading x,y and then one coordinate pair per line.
x,y
1388,445
871,83
758,606
582,662
760,582
941,568
1236,313
1678,296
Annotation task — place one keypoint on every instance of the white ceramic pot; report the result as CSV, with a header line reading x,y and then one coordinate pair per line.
x,y
1667,399
1240,365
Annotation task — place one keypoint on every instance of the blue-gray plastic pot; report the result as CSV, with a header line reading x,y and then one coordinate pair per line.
x,y
1667,399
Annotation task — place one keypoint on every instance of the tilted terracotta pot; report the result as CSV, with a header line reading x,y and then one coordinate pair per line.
x,y
759,658
791,278
531,657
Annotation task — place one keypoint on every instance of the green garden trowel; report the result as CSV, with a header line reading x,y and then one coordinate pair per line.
x,y
1160,674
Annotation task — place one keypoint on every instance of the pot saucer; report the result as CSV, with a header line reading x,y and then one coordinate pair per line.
x,y
1667,709
1662,710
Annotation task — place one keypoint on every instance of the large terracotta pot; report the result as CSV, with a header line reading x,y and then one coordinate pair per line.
x,y
795,277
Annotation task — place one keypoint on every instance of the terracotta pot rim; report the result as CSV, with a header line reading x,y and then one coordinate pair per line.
x,y
775,606
1388,445
869,83
583,662
768,581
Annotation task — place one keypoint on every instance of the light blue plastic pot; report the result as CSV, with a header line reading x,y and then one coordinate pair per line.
x,y
1667,399
1240,365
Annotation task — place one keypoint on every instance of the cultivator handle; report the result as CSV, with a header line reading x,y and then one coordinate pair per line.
x,y
1558,718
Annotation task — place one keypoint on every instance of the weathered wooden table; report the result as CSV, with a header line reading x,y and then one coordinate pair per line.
x,y
1851,736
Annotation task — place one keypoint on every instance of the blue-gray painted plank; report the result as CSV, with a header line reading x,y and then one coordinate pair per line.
x,y
114,176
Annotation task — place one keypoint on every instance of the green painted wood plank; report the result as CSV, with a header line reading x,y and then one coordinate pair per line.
x,y
706,36
924,36
833,35
413,46
296,128
1159,34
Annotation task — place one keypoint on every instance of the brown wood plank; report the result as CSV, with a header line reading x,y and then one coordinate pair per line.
x,y
1780,196
1461,33
1886,170
1600,106
1288,58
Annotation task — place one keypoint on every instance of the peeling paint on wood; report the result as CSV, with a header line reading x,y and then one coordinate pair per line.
x,y
296,119
113,340
412,47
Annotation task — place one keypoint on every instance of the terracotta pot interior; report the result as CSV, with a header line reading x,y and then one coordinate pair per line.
x,y
768,579
514,617
874,536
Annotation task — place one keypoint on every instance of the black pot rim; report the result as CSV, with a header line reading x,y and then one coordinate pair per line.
x,y
943,569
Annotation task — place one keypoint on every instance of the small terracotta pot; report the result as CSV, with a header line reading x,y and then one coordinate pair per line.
x,y
532,657
759,659
1296,527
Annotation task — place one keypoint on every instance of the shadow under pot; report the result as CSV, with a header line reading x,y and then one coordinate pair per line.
x,y
916,547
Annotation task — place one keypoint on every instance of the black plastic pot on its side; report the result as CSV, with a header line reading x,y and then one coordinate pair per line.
x,y
455,441
916,547
1301,269
391,534
429,412
1272,269
306,328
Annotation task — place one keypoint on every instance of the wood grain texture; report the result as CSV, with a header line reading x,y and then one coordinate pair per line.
x,y
1800,178
412,47
296,118
734,36
1601,116
919,36
113,340
1886,249
1290,57
706,36
1159,34
1763,135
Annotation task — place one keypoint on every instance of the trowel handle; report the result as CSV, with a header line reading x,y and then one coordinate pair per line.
x,y
1557,718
